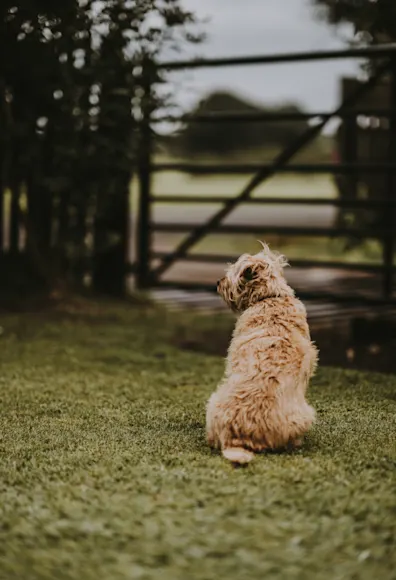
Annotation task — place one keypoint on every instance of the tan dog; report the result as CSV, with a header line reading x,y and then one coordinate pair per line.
x,y
260,403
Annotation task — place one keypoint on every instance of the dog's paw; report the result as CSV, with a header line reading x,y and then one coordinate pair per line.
x,y
295,443
238,455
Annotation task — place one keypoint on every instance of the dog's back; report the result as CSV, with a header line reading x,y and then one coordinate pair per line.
x,y
260,403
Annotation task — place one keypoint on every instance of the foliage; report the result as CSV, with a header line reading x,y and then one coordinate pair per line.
x,y
71,91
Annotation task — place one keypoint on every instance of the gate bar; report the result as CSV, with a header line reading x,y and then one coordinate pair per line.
x,y
276,116
372,52
389,243
212,169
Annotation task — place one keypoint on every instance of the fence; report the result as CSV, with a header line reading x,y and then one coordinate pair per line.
x,y
148,276
50,241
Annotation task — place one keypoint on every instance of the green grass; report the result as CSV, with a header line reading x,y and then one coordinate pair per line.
x,y
105,473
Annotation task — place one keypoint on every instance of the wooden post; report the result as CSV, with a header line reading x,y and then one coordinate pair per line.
x,y
351,154
389,217
2,187
144,171
4,155
14,217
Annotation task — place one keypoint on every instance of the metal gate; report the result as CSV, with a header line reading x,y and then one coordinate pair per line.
x,y
148,276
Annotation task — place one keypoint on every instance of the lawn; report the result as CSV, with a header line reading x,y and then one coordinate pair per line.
x,y
105,473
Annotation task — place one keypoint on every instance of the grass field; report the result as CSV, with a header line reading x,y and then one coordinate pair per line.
x,y
105,472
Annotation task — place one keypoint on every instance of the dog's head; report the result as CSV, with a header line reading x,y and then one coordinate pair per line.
x,y
254,278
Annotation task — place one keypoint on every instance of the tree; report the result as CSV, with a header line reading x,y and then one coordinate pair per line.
x,y
374,20
71,96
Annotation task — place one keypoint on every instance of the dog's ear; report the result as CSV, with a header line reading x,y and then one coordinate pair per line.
x,y
248,274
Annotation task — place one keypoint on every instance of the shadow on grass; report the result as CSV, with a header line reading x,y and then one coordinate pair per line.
x,y
364,344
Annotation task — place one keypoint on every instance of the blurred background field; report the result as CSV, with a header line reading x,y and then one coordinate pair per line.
x,y
280,186
94,126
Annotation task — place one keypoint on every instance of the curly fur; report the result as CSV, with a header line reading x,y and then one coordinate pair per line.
x,y
260,403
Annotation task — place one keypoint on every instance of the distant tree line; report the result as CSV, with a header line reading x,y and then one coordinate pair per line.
x,y
227,137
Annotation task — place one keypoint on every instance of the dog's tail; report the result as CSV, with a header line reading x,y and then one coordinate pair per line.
x,y
238,455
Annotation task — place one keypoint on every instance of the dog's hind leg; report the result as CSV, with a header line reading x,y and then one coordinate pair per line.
x,y
296,443
212,422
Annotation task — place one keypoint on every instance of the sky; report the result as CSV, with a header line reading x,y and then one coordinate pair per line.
x,y
250,27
